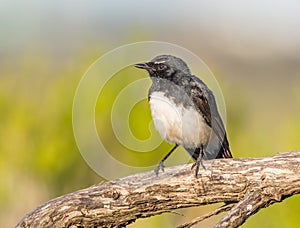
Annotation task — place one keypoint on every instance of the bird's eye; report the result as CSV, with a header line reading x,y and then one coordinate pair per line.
x,y
161,66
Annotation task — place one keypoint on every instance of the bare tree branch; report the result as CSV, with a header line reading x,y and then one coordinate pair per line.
x,y
248,184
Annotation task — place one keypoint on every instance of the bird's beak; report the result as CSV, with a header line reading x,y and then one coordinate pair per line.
x,y
142,66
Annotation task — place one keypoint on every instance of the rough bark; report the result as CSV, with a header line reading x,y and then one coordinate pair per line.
x,y
247,185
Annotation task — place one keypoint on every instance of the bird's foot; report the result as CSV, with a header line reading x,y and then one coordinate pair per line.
x,y
197,166
158,167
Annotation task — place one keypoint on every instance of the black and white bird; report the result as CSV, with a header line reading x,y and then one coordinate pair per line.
x,y
184,111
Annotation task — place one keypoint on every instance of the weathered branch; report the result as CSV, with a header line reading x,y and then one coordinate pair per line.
x,y
247,184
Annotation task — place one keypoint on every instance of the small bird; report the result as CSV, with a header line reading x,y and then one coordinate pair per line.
x,y
184,111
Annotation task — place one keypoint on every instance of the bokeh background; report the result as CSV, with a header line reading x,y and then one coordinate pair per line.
x,y
46,47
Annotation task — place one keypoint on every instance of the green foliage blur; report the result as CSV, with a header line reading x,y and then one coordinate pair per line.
x,y
40,159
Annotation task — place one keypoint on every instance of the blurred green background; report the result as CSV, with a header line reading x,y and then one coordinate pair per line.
x,y
46,47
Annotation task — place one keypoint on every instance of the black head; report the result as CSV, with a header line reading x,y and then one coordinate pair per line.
x,y
164,66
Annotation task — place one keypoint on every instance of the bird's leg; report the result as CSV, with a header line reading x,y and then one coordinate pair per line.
x,y
199,161
161,164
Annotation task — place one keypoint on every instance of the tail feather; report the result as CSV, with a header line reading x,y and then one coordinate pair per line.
x,y
224,151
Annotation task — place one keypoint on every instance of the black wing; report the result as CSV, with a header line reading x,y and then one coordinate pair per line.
x,y
204,100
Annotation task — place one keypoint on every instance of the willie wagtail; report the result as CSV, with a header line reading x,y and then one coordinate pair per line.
x,y
184,111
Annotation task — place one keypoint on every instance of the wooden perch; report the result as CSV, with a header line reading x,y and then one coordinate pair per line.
x,y
245,185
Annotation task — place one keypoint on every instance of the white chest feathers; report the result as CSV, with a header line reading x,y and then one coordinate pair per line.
x,y
178,124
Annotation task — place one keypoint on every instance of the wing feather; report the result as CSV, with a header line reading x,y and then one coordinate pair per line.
x,y
204,101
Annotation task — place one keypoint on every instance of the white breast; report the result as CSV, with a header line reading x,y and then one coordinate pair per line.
x,y
177,124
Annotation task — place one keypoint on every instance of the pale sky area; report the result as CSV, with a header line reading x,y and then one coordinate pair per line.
x,y
276,24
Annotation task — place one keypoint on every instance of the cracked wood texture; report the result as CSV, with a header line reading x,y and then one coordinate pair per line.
x,y
248,184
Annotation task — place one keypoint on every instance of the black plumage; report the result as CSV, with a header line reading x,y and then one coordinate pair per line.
x,y
184,111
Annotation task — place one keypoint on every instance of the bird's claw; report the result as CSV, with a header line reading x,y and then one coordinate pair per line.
x,y
197,165
158,167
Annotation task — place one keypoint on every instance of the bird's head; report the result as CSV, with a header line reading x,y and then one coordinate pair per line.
x,y
164,66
